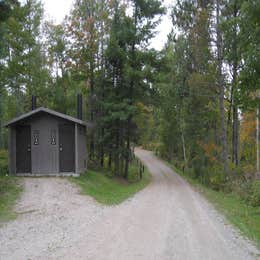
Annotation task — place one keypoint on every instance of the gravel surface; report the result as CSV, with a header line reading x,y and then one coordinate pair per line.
x,y
166,220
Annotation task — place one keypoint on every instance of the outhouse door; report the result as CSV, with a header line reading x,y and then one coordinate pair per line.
x,y
67,147
23,149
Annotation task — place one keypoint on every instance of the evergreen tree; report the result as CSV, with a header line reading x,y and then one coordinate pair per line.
x,y
230,29
6,13
24,73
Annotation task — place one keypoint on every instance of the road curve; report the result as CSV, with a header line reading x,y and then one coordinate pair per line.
x,y
194,230
166,220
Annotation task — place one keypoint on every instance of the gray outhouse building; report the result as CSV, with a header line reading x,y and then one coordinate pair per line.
x,y
46,142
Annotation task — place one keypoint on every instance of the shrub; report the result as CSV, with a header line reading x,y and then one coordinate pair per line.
x,y
197,163
248,169
134,174
241,187
3,162
248,190
217,178
189,171
163,152
235,171
254,197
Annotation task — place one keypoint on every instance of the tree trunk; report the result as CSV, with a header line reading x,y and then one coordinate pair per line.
x,y
109,159
257,139
183,148
127,157
92,134
101,159
116,157
102,149
235,125
235,136
222,91
129,121
1,116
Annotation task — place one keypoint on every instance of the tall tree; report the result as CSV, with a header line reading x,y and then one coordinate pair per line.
x,y
86,28
231,52
143,24
249,46
129,77
195,67
24,72
5,14
221,85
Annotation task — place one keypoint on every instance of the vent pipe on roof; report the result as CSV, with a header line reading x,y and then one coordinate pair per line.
x,y
79,106
33,102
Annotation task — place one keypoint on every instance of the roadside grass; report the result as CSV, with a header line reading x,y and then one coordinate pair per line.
x,y
110,190
246,218
10,190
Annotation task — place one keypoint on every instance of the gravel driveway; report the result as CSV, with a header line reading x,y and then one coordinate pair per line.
x,y
166,220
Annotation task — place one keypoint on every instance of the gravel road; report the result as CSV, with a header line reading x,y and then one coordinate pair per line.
x,y
166,220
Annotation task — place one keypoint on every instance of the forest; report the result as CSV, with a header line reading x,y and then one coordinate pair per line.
x,y
195,102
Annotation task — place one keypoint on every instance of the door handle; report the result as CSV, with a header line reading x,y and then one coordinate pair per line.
x,y
28,148
61,148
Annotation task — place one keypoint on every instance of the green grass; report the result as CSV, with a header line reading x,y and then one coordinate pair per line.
x,y
246,218
10,190
109,190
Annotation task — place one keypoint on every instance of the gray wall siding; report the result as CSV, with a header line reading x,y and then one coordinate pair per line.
x,y
12,151
45,156
81,149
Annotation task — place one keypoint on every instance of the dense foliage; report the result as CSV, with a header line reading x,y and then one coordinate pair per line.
x,y
100,50
209,89
195,101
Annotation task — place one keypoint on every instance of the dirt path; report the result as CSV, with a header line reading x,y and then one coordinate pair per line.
x,y
167,220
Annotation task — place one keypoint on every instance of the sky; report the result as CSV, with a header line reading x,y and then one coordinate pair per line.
x,y
56,10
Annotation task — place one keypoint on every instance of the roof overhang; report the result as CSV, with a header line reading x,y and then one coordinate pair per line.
x,y
50,112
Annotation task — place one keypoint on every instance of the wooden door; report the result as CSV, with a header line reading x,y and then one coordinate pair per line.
x,y
23,149
67,147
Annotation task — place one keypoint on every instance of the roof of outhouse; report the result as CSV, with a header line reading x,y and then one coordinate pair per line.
x,y
48,111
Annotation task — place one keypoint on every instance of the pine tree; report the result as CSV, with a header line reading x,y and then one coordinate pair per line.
x,y
24,73
5,14
230,29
